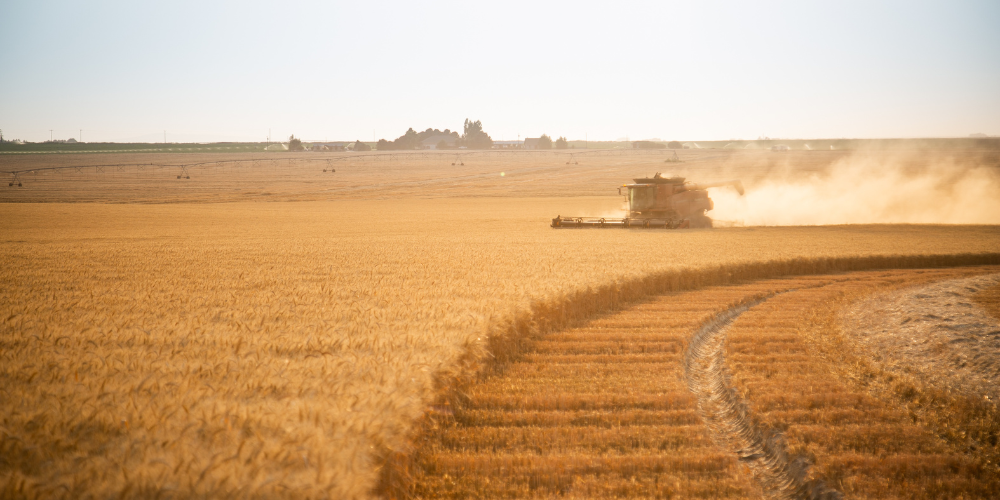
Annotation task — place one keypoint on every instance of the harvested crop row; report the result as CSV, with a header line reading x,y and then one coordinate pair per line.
x,y
917,363
602,410
793,388
560,422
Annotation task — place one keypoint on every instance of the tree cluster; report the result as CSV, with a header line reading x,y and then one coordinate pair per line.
x,y
546,142
295,144
473,137
412,139
649,145
674,145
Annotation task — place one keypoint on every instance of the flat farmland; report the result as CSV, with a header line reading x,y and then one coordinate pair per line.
x,y
300,176
809,186
180,340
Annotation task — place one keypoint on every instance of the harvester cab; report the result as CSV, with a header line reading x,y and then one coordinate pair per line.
x,y
658,202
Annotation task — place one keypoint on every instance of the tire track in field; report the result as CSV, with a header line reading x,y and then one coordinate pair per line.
x,y
730,421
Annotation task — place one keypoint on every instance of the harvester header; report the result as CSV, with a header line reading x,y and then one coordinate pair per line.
x,y
658,202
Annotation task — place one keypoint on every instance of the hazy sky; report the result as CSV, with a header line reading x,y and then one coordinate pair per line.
x,y
214,71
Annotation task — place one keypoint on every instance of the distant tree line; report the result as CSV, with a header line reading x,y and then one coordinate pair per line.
x,y
649,145
295,144
412,139
546,142
473,137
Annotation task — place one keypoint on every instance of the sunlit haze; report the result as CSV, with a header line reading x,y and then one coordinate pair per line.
x,y
233,71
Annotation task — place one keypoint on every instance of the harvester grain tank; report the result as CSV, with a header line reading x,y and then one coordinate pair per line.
x,y
658,202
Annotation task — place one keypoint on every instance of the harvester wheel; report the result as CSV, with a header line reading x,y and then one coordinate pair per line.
x,y
701,220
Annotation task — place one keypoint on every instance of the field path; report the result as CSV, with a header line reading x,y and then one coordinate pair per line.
x,y
605,410
729,417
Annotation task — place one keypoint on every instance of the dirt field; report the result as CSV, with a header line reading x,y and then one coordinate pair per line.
x,y
295,349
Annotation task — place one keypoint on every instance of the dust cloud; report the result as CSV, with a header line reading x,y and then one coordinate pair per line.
x,y
864,189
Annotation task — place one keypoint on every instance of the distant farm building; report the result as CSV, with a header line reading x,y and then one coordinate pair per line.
x,y
508,144
330,146
532,143
433,141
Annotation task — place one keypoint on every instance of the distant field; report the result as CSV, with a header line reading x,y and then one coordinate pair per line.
x,y
274,330
151,178
124,147
950,144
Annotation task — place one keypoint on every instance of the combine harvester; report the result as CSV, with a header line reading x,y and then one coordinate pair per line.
x,y
658,202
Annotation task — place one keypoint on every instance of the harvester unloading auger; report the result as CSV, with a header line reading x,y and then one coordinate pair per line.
x,y
658,202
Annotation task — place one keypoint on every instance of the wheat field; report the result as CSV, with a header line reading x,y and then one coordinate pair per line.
x,y
295,349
